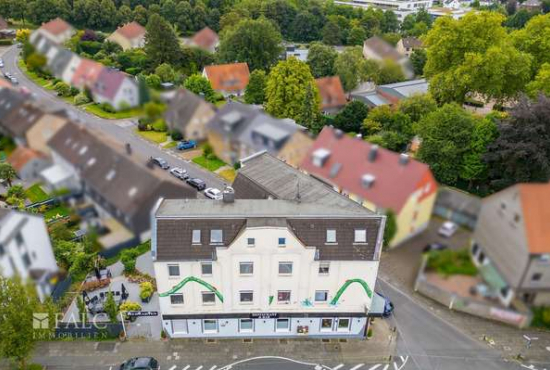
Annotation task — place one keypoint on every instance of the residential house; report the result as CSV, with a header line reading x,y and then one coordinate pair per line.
x,y
10,99
401,8
391,94
511,246
531,5
377,178
57,30
115,180
437,12
38,135
458,206
296,148
189,114
205,39
228,79
70,69
115,88
20,119
378,49
129,36
86,74
407,45
28,163
333,98
58,64
265,268
296,52
26,250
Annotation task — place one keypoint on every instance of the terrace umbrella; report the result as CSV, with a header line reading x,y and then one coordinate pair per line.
x,y
85,297
124,291
97,273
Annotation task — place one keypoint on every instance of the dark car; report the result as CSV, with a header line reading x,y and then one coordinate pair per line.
x,y
140,363
187,144
434,247
161,163
197,183
388,306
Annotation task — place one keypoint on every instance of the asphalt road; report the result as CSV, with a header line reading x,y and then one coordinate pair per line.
x,y
120,130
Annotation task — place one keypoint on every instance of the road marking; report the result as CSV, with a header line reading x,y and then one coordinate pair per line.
x,y
403,358
173,367
213,367
375,367
386,367
337,367
187,367
110,368
357,367
199,368
227,367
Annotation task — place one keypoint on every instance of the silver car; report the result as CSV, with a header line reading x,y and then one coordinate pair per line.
x,y
179,173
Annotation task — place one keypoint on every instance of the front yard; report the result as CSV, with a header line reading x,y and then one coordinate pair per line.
x,y
36,194
98,111
210,164
154,136
452,262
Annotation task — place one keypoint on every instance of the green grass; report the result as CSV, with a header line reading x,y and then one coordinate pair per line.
x,y
228,174
154,136
36,194
59,210
171,145
96,109
209,164
41,81
541,317
452,262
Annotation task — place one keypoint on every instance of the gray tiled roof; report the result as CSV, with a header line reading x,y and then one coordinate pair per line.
x,y
182,108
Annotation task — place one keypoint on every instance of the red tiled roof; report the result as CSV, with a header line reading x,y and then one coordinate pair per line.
x,y
228,77
205,39
56,26
535,204
331,92
348,162
21,156
86,73
131,30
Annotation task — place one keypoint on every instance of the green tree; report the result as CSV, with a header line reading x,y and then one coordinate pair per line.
x,y
309,113
332,33
306,27
350,119
144,94
393,127
82,309
111,308
533,39
165,72
254,41
417,106
357,36
7,173
390,22
124,15
35,62
353,68
541,83
321,59
474,167
418,61
201,86
153,110
141,16
389,72
286,89
161,43
255,90
391,227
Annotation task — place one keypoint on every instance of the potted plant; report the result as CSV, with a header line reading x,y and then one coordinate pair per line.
x,y
146,291
129,306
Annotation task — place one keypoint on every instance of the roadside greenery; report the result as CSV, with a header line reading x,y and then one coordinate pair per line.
x,y
451,262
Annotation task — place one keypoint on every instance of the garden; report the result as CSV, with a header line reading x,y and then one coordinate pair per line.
x,y
450,262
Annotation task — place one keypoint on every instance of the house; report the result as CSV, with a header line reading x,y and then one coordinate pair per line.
x,y
57,31
228,79
26,250
188,114
19,120
265,268
38,135
58,64
438,12
458,206
239,130
205,39
115,180
510,244
377,49
10,99
296,52
296,148
401,8
86,74
115,88
129,36
391,93
28,163
70,68
332,94
377,178
531,5
407,45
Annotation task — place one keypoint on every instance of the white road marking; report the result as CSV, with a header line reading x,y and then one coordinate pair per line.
x,y
199,368
403,358
110,368
173,367
337,367
375,367
228,367
187,367
386,367
213,367
357,367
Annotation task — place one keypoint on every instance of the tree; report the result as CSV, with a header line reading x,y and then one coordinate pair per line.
x,y
124,15
305,27
201,86
391,227
42,11
446,135
111,308
533,39
7,173
286,89
390,22
255,90
309,112
473,167
521,153
332,33
35,62
417,106
254,41
140,15
418,61
357,36
165,72
520,19
541,83
22,35
161,43
82,309
321,59
389,72
350,119
511,7
144,95
153,110
353,68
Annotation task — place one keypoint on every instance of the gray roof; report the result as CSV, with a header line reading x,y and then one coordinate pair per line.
x,y
262,176
458,201
232,119
20,119
59,63
9,100
182,108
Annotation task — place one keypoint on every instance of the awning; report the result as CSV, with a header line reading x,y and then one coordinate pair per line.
x,y
377,305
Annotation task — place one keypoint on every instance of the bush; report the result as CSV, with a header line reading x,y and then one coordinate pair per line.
x,y
62,89
541,317
128,258
369,333
90,286
159,125
34,366
176,135
129,306
207,150
146,290
237,166
452,262
143,124
106,107
81,99
124,106
74,91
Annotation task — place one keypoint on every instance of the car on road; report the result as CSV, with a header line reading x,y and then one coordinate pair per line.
x,y
213,193
161,162
7,75
1,63
448,229
14,81
388,306
140,363
197,183
434,247
187,144
179,173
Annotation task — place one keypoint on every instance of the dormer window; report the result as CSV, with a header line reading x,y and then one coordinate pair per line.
x,y
360,236
216,236
320,157
368,180
331,236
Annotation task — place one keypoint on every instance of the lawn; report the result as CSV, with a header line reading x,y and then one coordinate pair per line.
x,y
228,174
452,262
209,164
36,194
34,77
171,145
96,109
53,212
154,136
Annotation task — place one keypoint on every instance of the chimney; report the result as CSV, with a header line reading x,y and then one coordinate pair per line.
x,y
228,195
403,159
373,152
368,180
128,149
338,133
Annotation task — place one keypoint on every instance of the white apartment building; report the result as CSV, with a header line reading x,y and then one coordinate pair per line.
x,y
401,8
265,267
26,250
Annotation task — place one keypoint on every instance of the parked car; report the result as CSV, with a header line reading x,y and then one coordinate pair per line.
x,y
448,229
1,63
7,75
434,247
388,306
14,81
187,144
197,183
161,163
213,193
140,363
179,173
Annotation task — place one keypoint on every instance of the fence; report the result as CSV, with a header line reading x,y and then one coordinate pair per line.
x,y
88,330
61,288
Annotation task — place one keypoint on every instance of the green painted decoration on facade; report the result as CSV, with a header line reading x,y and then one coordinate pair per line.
x,y
346,285
193,279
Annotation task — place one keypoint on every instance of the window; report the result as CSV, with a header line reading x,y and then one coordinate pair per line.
x,y
324,268
246,296
196,237
285,268
176,299
210,326
282,325
26,260
250,242
360,236
19,239
246,268
343,324
283,296
208,298
173,270
282,242
206,268
331,236
536,276
216,236
475,248
321,295
246,325
326,324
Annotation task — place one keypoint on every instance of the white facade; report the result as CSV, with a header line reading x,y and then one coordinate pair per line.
x,y
69,71
26,250
401,8
127,93
59,38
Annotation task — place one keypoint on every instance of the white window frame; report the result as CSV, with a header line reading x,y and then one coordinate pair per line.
x,y
177,294
289,296
203,264
324,265
246,292
246,263
209,331
212,241
331,324
324,292
208,293
355,236
331,236
241,330
291,268
196,237
170,273
180,332
287,329
248,240
347,328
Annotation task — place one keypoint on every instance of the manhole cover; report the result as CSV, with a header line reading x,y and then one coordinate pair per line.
x,y
105,347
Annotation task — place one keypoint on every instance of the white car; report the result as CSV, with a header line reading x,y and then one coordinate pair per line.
x,y
213,193
179,173
448,229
